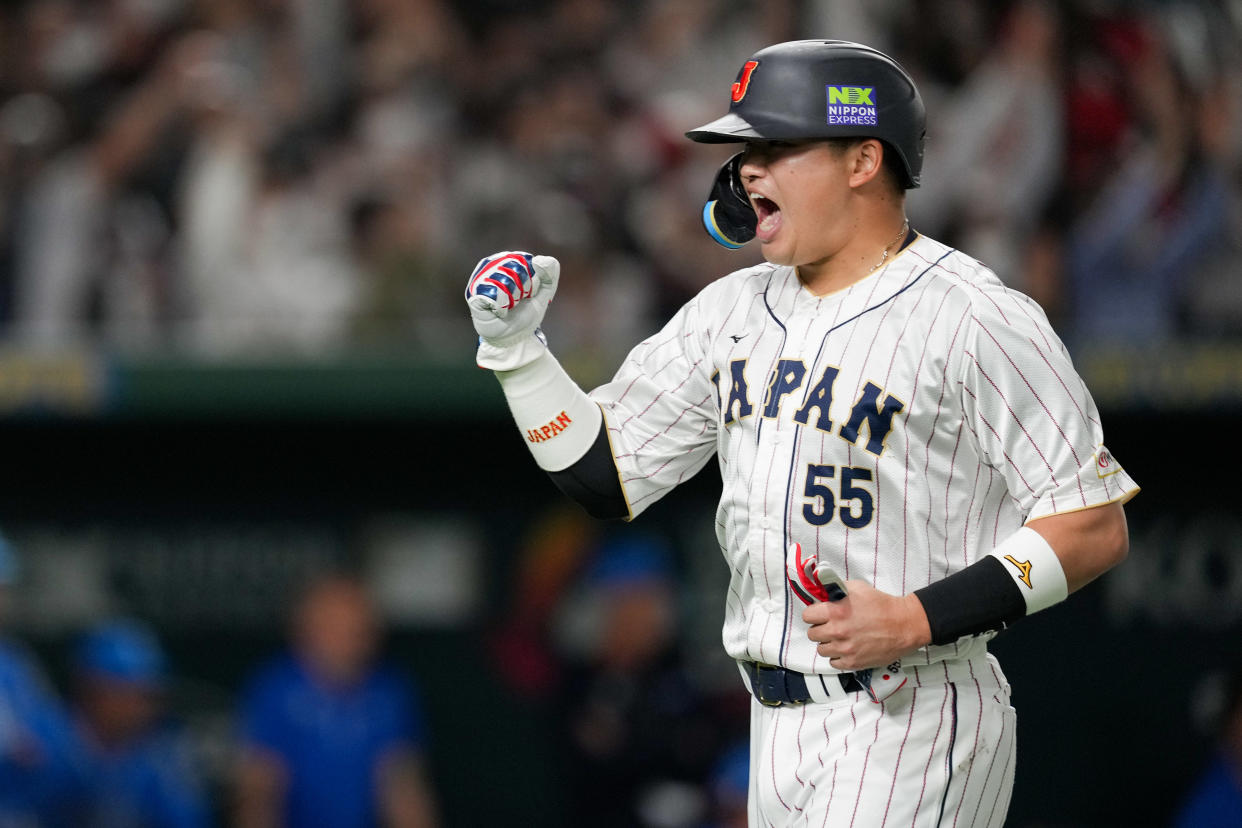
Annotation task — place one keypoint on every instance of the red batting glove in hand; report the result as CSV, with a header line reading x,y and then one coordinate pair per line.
x,y
813,584
800,571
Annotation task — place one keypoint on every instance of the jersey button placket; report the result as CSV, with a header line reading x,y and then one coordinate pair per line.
x,y
764,543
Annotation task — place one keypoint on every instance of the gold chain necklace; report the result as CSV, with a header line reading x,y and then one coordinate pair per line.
x,y
901,234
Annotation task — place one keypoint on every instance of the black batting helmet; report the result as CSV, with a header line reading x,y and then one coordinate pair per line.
x,y
807,89
824,89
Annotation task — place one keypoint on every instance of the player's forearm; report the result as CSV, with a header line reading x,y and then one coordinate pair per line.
x,y
566,433
594,481
563,428
558,421
1088,542
1036,567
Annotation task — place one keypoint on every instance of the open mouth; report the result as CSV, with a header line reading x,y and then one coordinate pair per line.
x,y
768,213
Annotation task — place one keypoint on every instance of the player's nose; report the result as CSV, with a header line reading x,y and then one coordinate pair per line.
x,y
754,164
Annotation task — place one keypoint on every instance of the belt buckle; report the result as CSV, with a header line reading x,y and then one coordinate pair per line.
x,y
760,685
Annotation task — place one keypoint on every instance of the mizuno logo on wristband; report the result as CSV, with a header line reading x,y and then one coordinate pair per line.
x,y
1024,567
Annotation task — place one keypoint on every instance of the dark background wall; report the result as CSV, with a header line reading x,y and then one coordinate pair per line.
x,y
1114,689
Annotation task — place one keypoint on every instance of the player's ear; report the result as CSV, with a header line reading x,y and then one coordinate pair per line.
x,y
866,161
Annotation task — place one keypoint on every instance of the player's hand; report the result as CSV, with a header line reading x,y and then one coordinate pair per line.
x,y
869,628
508,294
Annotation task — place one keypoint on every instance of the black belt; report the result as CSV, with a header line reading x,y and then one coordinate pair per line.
x,y
774,686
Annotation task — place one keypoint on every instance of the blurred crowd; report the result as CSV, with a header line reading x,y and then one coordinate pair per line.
x,y
328,732
331,730
642,721
226,176
231,177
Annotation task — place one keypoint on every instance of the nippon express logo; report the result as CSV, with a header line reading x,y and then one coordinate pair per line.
x,y
851,105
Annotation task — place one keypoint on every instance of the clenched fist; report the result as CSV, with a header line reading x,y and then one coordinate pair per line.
x,y
508,294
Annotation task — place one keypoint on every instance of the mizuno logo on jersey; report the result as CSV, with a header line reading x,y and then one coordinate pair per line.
x,y
872,411
1024,568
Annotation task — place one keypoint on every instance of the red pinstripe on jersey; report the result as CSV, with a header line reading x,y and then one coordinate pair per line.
x,y
901,749
991,403
991,427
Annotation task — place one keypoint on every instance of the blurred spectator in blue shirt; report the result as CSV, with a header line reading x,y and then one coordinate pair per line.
x,y
1215,800
141,772
330,736
40,765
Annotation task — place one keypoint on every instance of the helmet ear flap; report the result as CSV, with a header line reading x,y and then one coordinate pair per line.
x,y
727,216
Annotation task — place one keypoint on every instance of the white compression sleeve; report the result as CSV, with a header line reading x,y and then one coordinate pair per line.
x,y
557,419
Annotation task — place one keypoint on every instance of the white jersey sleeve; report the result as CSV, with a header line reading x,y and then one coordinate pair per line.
x,y
661,410
1030,415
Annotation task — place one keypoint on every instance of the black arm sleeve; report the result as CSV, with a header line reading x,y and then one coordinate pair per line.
x,y
980,598
593,481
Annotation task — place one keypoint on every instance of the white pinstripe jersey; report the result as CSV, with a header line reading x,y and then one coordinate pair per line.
x,y
901,428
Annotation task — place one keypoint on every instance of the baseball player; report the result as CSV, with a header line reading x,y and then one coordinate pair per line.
x,y
909,461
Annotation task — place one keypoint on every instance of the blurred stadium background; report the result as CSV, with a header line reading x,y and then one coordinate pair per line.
x,y
233,353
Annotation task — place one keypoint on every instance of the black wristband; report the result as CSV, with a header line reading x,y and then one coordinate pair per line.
x,y
593,480
980,598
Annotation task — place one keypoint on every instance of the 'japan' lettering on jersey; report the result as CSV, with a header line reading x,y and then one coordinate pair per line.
x,y
899,429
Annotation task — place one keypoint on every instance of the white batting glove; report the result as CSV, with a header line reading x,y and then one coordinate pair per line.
x,y
508,294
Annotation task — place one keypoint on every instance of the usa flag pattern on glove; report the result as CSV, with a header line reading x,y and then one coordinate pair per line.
x,y
504,278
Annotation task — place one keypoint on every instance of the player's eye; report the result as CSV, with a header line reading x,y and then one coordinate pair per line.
x,y
759,152
765,151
